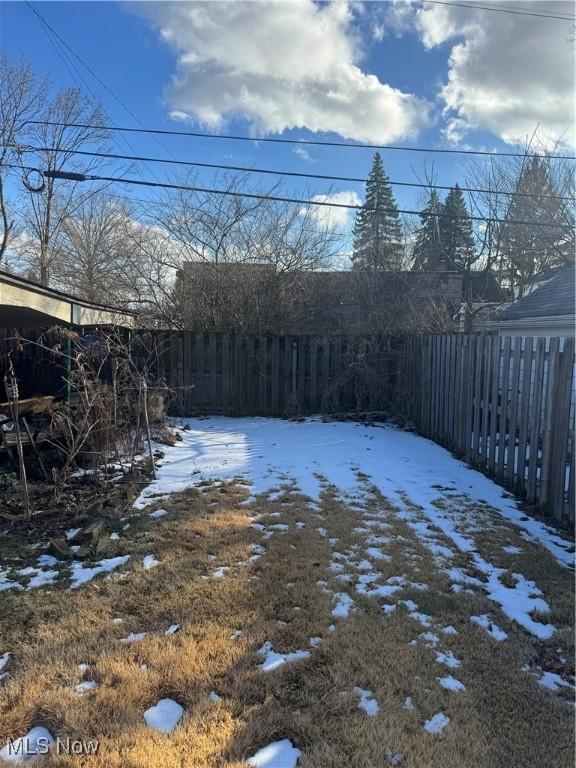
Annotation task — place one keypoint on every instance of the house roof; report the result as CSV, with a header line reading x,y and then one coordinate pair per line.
x,y
25,303
555,297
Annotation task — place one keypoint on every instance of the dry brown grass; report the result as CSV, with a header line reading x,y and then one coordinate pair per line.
x,y
504,719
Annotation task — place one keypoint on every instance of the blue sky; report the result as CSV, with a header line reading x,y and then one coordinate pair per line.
x,y
398,73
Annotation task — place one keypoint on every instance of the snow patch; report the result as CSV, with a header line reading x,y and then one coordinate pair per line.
x,y
367,701
437,723
278,754
273,660
164,716
82,575
25,749
450,683
489,626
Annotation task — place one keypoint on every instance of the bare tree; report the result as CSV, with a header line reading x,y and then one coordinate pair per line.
x,y
48,210
537,193
93,256
226,261
21,97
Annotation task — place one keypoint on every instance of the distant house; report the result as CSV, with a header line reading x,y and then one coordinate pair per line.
x,y
545,309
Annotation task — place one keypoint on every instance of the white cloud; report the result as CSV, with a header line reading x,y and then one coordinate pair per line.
x,y
280,65
336,218
507,73
302,153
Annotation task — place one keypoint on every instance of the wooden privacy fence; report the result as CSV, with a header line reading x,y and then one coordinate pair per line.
x,y
277,375
506,406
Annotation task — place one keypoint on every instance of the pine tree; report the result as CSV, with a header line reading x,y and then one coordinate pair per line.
x,y
456,233
427,248
377,229
529,248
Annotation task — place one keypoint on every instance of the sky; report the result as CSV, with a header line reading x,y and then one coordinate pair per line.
x,y
412,74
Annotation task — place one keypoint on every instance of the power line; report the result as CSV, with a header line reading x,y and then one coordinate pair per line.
x,y
116,98
60,46
306,142
276,198
503,9
296,174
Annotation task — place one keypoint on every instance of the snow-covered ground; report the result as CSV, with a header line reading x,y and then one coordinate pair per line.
x,y
402,465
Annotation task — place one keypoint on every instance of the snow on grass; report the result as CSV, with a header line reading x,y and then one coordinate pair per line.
x,y
278,754
450,630
421,618
219,573
273,660
266,451
6,582
450,683
164,716
149,561
4,659
429,639
511,550
133,637
26,748
172,629
158,513
377,554
81,574
408,704
553,681
437,723
519,601
46,561
344,604
489,626
367,701
448,659
40,578
214,698
85,686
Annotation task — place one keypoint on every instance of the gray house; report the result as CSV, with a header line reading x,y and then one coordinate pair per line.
x,y
548,310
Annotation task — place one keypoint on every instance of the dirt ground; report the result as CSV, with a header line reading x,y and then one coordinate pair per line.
x,y
236,575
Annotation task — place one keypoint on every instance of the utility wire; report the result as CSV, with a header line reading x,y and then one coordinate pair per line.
x,y
503,9
306,142
276,198
94,75
60,47
245,169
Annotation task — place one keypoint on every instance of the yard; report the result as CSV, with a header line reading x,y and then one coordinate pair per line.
x,y
333,593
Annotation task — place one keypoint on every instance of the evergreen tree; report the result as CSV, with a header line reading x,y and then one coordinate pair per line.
x,y
456,233
377,229
427,248
529,248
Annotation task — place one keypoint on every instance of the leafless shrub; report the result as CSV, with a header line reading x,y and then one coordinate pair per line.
x,y
106,420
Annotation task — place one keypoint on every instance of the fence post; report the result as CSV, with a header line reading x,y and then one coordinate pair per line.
x,y
560,427
547,426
